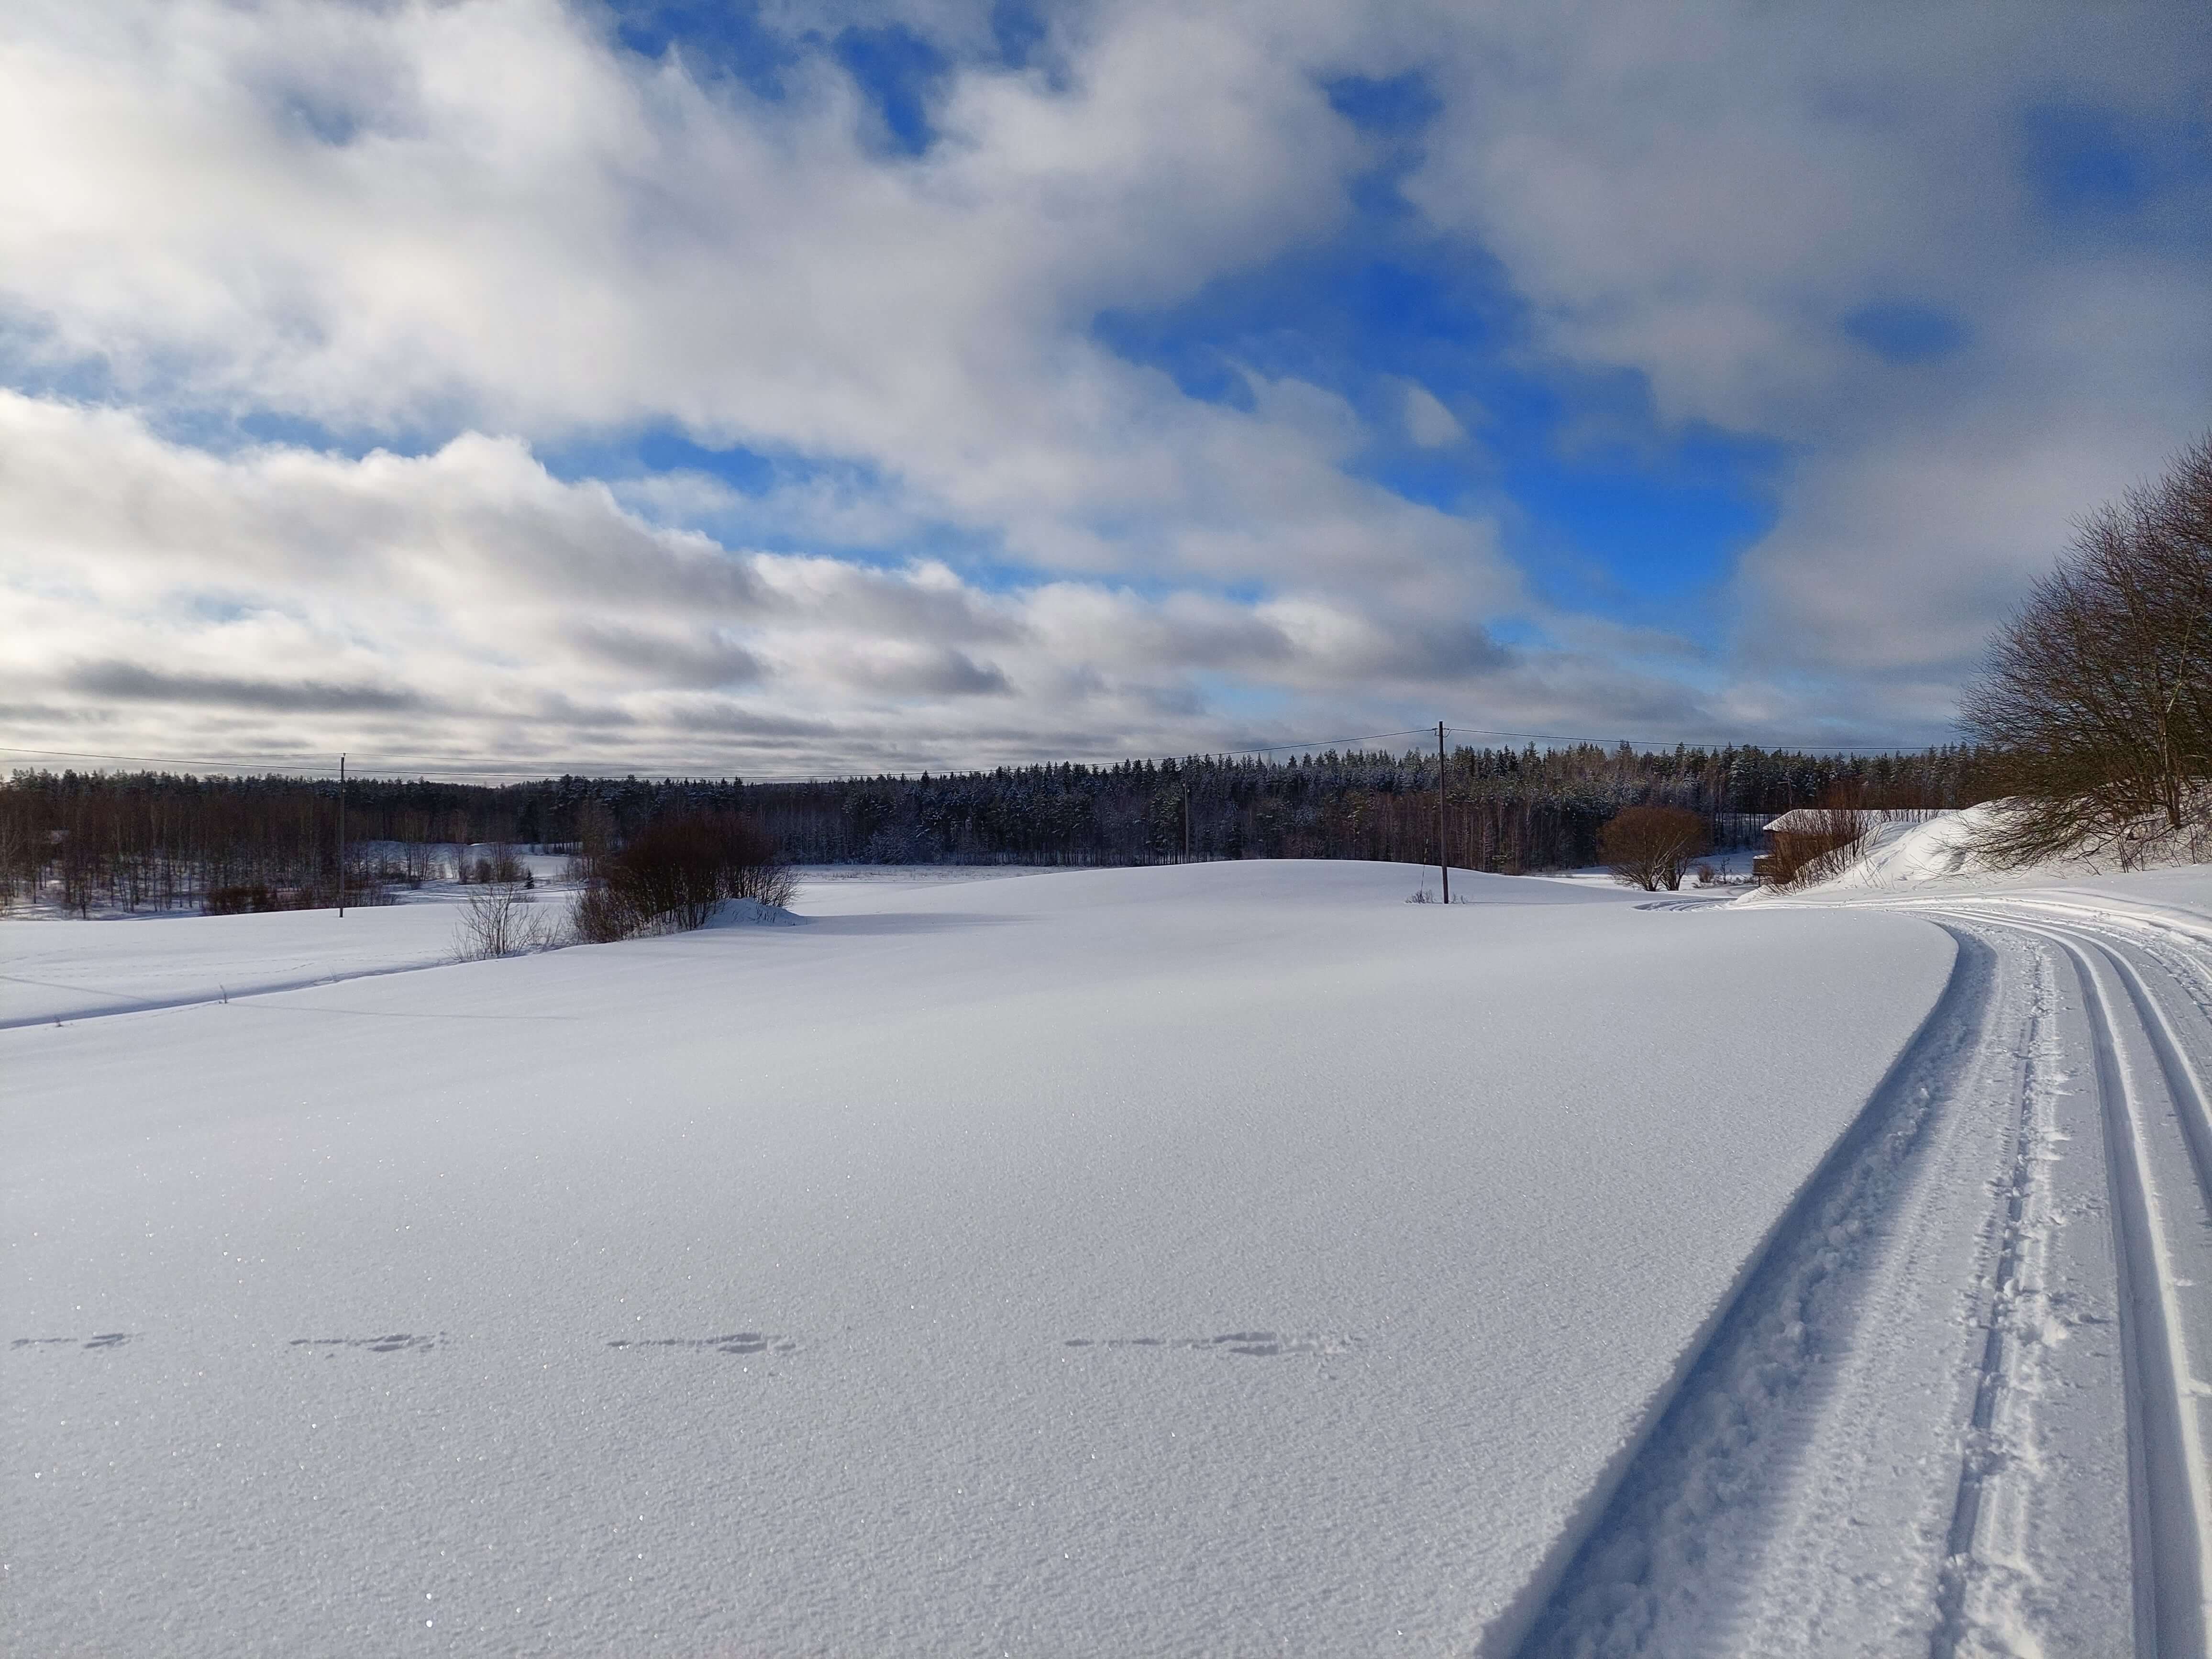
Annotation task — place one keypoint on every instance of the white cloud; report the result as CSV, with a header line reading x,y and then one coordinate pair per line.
x,y
466,608
1705,193
518,228
1428,422
483,218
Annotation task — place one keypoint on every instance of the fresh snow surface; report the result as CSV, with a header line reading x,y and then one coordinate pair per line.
x,y
1229,1258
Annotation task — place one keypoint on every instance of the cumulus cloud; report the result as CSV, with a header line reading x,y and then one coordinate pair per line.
x,y
466,609
484,231
384,218
1824,226
1428,422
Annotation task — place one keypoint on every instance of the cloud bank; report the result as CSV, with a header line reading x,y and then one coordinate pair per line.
x,y
500,384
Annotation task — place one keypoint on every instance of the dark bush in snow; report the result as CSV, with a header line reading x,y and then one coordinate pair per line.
x,y
249,899
674,872
1818,844
1651,847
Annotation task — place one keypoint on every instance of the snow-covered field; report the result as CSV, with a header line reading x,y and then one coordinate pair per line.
x,y
126,964
1227,1258
53,968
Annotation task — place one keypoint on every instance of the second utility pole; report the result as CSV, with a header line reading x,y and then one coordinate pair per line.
x,y
1443,861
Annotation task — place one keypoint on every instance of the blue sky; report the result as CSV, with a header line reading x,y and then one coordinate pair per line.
x,y
815,386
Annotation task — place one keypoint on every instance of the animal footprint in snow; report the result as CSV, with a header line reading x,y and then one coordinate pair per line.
x,y
735,1342
104,1339
399,1342
1257,1344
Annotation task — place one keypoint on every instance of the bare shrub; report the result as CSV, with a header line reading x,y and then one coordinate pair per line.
x,y
600,914
1825,843
595,832
675,870
14,851
1651,847
258,898
671,871
499,864
772,882
250,898
2098,696
499,918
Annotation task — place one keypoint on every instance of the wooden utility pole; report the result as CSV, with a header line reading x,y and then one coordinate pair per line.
x,y
1186,823
1443,857
341,837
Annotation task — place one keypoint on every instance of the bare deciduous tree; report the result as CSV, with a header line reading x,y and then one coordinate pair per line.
x,y
1651,846
2098,696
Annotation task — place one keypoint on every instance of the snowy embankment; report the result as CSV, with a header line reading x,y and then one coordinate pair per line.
x,y
1939,857
1225,1258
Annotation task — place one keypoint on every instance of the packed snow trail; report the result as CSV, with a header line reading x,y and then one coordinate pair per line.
x,y
2144,983
1962,1408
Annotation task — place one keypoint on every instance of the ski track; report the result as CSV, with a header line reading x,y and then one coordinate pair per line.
x,y
1955,1428
247,990
2158,1132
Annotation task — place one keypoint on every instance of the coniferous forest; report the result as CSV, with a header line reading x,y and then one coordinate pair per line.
x,y
161,840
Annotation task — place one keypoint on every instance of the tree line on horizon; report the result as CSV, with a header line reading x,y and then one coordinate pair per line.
x,y
162,841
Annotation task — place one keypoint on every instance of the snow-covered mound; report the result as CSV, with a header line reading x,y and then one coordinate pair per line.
x,y
1223,1258
1899,855
1941,855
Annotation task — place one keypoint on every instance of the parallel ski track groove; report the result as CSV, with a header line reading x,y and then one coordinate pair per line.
x,y
2125,964
2170,1473
1951,1626
1857,1177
